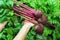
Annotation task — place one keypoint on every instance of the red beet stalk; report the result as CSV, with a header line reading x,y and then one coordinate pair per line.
x,y
26,11
28,8
16,9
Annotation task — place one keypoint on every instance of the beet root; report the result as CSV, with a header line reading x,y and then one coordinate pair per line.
x,y
39,29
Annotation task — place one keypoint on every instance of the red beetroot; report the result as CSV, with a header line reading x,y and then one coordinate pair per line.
x,y
39,29
42,19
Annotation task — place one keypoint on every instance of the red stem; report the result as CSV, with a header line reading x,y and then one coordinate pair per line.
x,y
21,11
27,11
28,8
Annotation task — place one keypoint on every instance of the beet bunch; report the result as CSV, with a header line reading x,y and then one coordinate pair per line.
x,y
35,16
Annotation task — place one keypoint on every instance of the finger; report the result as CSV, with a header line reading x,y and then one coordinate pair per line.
x,y
32,21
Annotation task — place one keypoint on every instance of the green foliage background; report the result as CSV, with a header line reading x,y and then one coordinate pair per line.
x,y
51,8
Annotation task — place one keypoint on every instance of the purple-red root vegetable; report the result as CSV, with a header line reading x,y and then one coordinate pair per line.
x,y
36,15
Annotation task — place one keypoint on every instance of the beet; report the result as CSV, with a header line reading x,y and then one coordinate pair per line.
x,y
38,14
38,17
40,29
41,18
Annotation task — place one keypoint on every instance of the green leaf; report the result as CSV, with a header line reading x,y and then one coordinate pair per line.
x,y
47,31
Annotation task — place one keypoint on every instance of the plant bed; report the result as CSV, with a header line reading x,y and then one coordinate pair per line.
x,y
14,23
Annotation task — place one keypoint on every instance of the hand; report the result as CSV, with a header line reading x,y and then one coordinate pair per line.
x,y
38,27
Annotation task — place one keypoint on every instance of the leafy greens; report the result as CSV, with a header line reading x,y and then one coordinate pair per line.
x,y
51,8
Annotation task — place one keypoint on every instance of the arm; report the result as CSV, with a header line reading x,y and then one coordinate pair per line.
x,y
23,32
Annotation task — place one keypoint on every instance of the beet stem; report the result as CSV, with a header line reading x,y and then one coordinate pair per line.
x,y
28,8
19,11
